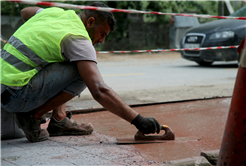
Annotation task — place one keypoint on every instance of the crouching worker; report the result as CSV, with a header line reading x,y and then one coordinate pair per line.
x,y
49,60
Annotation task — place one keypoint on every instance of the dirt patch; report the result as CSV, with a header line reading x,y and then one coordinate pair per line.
x,y
136,56
163,94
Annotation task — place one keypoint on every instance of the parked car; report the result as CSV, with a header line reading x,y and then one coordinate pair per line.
x,y
223,32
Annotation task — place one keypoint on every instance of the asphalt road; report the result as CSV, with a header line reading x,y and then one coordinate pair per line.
x,y
160,77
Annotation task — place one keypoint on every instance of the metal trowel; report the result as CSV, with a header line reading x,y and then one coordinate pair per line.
x,y
141,138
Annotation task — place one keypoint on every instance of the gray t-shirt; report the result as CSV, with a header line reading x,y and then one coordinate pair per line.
x,y
75,48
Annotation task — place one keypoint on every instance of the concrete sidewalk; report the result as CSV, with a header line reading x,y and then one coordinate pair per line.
x,y
95,149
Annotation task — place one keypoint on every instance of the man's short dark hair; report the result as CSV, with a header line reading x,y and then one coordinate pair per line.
x,y
101,15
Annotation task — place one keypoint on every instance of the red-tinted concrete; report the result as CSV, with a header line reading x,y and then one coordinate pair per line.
x,y
198,126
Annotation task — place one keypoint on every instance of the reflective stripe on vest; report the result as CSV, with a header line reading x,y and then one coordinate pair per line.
x,y
22,66
27,51
11,59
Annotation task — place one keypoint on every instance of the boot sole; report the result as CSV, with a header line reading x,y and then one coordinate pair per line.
x,y
37,140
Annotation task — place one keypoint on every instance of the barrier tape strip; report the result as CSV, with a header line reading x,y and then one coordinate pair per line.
x,y
4,41
161,50
63,5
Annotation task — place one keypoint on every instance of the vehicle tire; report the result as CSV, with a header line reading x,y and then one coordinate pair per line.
x,y
204,63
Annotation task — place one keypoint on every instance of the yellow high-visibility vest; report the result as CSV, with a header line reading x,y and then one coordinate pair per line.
x,y
37,43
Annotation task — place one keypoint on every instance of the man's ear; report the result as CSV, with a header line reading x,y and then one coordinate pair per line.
x,y
91,22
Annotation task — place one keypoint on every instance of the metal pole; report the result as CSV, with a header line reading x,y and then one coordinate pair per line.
x,y
221,8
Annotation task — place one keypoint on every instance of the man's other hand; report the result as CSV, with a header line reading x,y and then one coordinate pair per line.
x,y
146,124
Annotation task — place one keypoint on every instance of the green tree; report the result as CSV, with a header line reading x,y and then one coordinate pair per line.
x,y
12,8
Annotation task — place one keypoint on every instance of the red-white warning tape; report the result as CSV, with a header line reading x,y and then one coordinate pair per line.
x,y
63,5
4,40
161,50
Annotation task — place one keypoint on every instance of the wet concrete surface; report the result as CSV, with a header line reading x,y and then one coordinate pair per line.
x,y
198,126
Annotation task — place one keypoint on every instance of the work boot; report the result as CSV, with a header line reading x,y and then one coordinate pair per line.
x,y
31,127
68,127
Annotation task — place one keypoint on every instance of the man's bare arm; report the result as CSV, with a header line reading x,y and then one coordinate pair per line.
x,y
102,93
28,12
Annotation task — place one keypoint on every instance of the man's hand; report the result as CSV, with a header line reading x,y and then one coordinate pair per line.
x,y
146,124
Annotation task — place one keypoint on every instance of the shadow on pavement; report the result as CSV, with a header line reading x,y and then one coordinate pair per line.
x,y
214,66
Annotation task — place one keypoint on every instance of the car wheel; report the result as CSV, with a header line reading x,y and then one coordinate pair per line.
x,y
204,63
